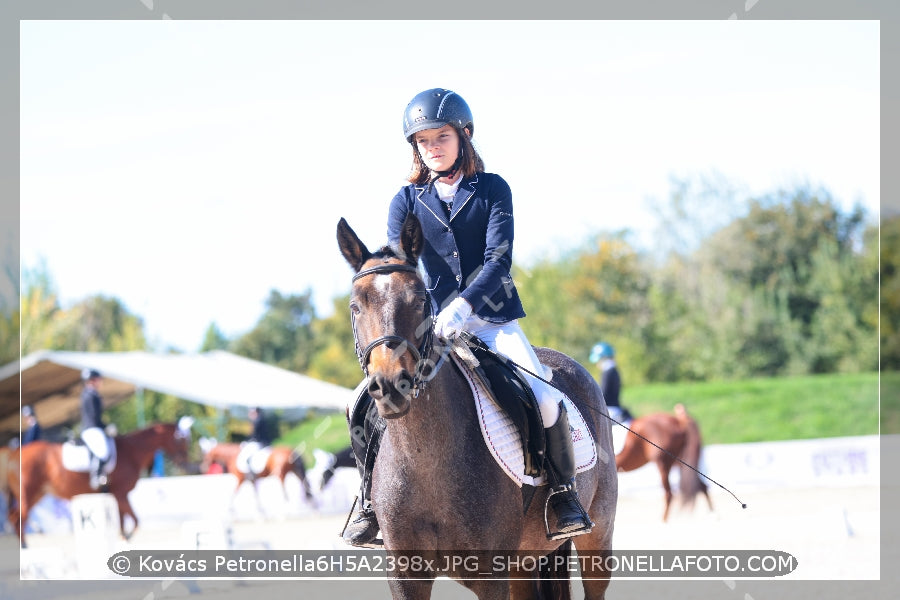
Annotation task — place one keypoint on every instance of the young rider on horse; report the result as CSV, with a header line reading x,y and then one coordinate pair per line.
x,y
260,438
467,220
604,356
92,428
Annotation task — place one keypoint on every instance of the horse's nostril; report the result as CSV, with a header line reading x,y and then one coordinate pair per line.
x,y
404,383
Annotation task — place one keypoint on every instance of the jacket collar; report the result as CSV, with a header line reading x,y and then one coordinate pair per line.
x,y
427,195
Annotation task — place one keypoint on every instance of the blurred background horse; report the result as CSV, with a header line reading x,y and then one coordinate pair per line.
x,y
280,461
675,435
40,471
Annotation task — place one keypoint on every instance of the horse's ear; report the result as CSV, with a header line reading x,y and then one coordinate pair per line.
x,y
411,238
352,248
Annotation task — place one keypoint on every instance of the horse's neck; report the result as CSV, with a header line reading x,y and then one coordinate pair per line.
x,y
142,445
434,421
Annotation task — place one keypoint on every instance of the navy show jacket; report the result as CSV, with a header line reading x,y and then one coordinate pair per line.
x,y
91,408
470,253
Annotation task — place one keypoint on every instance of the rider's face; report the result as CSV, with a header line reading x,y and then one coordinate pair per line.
x,y
438,148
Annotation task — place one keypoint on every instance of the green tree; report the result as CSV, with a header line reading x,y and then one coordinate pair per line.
x,y
283,336
597,291
98,324
214,339
890,293
335,358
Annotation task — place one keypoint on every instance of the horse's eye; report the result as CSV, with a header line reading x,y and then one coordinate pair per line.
x,y
354,308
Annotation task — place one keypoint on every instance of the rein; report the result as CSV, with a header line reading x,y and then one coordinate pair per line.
x,y
472,340
420,378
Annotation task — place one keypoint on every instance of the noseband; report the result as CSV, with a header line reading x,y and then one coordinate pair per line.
x,y
417,353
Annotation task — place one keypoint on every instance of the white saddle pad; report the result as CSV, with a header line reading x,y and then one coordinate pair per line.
x,y
254,459
77,457
502,436
618,435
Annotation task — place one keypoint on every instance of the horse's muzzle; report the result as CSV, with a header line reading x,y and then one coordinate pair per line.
x,y
392,394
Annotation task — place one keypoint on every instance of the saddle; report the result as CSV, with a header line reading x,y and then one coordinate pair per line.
x,y
515,398
76,456
508,387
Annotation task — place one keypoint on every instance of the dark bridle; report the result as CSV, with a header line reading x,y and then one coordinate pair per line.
x,y
420,353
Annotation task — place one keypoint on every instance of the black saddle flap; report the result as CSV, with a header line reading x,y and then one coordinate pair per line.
x,y
516,399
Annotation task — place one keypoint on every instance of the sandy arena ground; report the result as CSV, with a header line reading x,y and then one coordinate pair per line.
x,y
832,532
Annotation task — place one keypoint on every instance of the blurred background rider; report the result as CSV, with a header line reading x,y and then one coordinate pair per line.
x,y
31,429
604,356
92,428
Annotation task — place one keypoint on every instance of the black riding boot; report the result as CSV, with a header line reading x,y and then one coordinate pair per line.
x,y
571,518
365,439
98,477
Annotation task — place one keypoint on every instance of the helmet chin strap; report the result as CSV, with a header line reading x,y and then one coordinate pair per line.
x,y
453,169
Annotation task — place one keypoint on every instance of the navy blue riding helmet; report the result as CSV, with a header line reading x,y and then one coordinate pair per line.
x,y
435,108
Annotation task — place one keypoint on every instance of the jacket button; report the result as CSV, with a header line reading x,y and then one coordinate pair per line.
x,y
458,277
455,254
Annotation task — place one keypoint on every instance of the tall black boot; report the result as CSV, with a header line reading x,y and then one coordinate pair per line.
x,y
365,439
98,477
571,518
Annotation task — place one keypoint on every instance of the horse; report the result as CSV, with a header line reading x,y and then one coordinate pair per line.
x,y
436,488
341,458
281,461
7,456
676,435
40,471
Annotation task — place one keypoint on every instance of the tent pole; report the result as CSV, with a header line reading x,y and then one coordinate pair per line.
x,y
220,424
139,407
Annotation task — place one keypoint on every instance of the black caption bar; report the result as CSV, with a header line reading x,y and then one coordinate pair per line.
x,y
338,564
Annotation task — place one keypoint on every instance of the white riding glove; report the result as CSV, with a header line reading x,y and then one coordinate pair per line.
x,y
451,321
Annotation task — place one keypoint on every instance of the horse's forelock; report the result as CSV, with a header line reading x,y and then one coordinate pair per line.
x,y
394,251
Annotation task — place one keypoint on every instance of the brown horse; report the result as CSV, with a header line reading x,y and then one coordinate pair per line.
x,y
679,435
7,456
436,488
41,471
281,461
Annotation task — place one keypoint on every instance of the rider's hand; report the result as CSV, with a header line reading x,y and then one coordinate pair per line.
x,y
452,320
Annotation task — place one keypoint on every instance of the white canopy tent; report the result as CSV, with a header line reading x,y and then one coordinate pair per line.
x,y
50,381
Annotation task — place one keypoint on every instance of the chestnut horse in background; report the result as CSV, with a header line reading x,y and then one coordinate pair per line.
x,y
40,471
679,436
7,456
281,461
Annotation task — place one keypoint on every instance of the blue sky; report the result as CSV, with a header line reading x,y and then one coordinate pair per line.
x,y
188,168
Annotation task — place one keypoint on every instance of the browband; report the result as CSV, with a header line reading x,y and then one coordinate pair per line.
x,y
386,268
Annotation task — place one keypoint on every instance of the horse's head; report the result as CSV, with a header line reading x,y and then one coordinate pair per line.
x,y
391,314
176,441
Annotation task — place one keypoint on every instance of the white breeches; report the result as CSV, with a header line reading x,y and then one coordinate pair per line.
x,y
509,340
248,449
95,439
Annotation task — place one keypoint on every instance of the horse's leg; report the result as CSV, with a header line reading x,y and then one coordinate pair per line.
x,y
300,471
487,589
664,466
259,506
705,490
284,487
125,510
31,493
521,589
12,513
411,589
592,549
